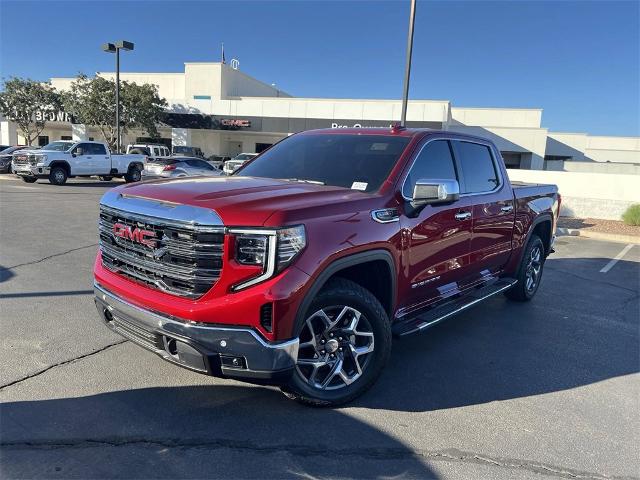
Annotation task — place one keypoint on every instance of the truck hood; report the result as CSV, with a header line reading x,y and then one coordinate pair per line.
x,y
249,201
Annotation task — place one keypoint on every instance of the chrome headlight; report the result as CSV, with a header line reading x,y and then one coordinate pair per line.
x,y
272,250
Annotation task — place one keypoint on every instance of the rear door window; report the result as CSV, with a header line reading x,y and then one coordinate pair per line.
x,y
478,167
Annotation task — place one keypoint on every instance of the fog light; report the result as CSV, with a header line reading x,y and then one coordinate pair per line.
x,y
233,362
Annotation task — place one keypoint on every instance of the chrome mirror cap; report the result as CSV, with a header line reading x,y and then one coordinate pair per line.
x,y
432,191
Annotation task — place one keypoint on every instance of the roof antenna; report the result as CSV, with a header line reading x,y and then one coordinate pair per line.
x,y
407,70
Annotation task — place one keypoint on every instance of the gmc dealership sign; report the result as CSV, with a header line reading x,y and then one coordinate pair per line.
x,y
234,122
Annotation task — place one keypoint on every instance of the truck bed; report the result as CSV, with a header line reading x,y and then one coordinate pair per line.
x,y
530,190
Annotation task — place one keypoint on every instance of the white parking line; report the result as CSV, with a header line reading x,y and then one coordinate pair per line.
x,y
610,265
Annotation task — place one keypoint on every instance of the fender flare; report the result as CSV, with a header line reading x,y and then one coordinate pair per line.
x,y
346,262
61,163
138,165
543,217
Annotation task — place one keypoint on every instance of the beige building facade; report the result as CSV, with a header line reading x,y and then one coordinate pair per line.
x,y
225,112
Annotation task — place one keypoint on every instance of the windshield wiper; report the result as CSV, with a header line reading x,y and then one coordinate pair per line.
x,y
314,182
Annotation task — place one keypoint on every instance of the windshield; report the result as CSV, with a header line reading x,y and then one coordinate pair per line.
x,y
10,150
359,162
58,146
181,149
244,156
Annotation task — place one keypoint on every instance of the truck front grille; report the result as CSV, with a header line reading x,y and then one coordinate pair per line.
x,y
175,257
24,159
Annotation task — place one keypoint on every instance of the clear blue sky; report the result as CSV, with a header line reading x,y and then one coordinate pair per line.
x,y
579,61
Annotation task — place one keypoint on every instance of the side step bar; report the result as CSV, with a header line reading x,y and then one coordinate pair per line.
x,y
453,307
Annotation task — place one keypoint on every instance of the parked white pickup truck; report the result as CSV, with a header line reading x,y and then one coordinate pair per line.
x,y
61,160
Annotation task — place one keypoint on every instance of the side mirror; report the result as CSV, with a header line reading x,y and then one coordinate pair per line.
x,y
79,152
430,192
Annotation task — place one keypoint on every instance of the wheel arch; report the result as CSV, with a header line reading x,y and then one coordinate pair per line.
x,y
542,226
382,283
138,165
61,163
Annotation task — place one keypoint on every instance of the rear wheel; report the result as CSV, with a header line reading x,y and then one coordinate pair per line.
x,y
529,272
29,179
58,176
345,341
133,175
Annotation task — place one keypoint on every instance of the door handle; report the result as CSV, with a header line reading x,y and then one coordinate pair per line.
x,y
506,209
463,216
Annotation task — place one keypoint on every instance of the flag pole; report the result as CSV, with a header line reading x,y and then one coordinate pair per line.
x,y
407,70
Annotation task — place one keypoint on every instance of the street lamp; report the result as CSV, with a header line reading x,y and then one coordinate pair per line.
x,y
115,48
407,69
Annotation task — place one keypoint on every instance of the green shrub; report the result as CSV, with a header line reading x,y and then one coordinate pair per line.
x,y
632,215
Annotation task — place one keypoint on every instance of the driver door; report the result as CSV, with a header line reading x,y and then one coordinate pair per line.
x,y
81,160
437,239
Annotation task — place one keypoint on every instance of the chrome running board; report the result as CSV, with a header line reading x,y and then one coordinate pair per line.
x,y
439,313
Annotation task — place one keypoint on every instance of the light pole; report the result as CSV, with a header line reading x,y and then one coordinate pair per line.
x,y
407,69
115,48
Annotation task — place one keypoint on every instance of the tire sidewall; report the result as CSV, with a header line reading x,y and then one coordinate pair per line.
x,y
522,277
380,326
52,176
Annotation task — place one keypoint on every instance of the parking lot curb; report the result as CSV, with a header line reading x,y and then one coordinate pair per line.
x,y
610,237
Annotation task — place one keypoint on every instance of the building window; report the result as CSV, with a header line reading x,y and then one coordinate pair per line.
x,y
261,147
202,97
66,137
512,159
43,140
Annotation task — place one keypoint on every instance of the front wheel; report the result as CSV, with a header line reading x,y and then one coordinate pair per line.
x,y
58,176
529,272
345,341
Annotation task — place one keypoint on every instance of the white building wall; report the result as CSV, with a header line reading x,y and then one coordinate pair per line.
x,y
235,83
497,117
588,195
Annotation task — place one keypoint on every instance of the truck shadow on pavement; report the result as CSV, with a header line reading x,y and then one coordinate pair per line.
x,y
582,328
222,431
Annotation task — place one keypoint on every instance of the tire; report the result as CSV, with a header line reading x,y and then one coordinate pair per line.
x,y
343,319
58,176
105,178
29,179
529,271
133,175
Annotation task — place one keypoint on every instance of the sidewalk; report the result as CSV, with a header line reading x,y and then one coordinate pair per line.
x,y
610,230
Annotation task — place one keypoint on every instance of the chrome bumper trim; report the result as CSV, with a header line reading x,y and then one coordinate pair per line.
x,y
262,358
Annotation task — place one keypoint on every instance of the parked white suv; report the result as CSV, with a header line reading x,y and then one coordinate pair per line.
x,y
236,162
151,150
61,160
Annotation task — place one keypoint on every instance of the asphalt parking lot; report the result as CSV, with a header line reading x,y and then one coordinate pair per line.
x,y
548,389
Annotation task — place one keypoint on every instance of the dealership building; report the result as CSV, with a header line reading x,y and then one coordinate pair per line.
x,y
225,111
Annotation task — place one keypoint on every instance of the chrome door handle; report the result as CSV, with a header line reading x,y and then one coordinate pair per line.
x,y
463,216
506,209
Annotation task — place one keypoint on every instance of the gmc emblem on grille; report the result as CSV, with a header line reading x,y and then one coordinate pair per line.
x,y
139,235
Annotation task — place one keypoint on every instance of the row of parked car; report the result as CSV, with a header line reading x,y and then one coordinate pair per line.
x,y
65,159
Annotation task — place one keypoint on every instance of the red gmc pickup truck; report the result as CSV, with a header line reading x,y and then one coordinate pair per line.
x,y
299,269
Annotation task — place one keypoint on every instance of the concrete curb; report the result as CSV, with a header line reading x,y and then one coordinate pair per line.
x,y
609,237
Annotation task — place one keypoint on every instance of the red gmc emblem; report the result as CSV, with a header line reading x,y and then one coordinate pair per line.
x,y
138,235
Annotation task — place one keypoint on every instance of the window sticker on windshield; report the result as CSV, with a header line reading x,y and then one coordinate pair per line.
x,y
359,186
379,146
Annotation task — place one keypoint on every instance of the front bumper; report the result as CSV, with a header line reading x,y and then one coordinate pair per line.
x,y
233,352
29,170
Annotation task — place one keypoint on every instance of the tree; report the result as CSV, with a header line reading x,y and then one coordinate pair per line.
x,y
30,104
92,101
